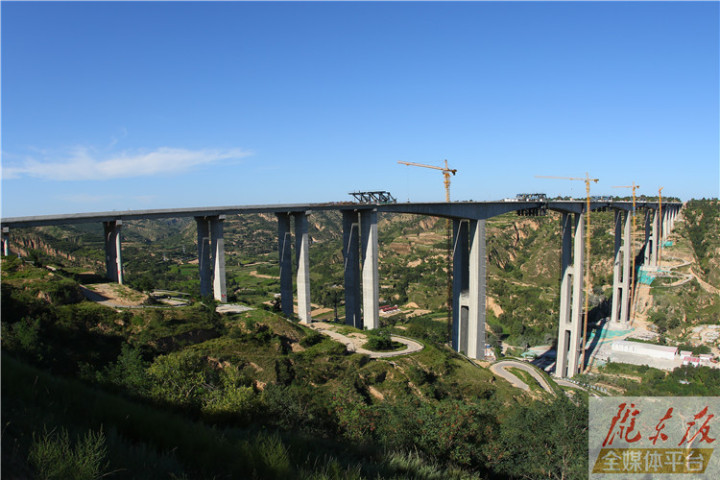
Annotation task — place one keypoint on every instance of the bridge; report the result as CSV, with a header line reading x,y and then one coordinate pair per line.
x,y
360,253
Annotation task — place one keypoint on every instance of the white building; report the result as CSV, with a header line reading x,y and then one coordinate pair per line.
x,y
646,349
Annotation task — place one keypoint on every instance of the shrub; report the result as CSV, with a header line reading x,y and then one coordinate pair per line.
x,y
52,456
23,337
64,292
179,378
380,342
312,339
129,371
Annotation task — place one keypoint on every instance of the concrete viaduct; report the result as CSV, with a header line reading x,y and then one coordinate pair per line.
x,y
360,253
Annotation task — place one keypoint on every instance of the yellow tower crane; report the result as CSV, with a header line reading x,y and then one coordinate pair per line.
x,y
446,173
587,181
448,227
632,272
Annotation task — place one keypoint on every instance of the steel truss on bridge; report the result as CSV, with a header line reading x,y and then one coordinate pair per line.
x,y
374,197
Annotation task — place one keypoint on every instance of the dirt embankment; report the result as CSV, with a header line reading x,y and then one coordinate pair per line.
x,y
114,294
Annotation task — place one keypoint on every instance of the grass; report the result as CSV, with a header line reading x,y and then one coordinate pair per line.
x,y
126,292
528,379
53,456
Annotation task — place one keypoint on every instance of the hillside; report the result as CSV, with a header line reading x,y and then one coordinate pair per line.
x,y
687,294
522,252
523,255
252,383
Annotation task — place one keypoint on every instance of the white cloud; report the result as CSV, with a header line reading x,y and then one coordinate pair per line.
x,y
84,163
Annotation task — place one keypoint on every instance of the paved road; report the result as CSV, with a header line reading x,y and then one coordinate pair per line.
x,y
411,347
354,343
565,383
500,367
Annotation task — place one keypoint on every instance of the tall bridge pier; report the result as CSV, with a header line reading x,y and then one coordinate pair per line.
x,y
302,265
570,324
113,251
652,240
469,281
211,247
360,246
620,310
5,241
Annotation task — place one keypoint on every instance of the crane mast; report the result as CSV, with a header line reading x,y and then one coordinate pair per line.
x,y
448,228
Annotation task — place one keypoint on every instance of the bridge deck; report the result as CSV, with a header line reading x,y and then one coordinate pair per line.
x,y
461,210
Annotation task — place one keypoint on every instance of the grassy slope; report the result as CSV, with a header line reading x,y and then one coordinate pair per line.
x,y
265,349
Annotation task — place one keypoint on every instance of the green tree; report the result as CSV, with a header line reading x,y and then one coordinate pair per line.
x,y
559,446
128,372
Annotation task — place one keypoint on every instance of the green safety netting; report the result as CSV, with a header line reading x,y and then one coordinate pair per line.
x,y
645,277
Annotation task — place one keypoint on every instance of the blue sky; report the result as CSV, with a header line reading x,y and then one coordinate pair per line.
x,y
114,106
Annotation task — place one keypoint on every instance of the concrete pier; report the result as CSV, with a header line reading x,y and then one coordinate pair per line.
x,y
649,241
577,296
476,321
285,258
5,241
113,251
370,276
469,284
211,256
656,241
669,214
571,297
621,268
203,243
566,274
351,249
461,283
218,249
302,252
672,213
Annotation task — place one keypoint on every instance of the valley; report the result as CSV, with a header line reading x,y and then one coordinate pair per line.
x,y
287,398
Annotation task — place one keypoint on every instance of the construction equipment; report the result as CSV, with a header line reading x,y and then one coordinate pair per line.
x,y
448,227
632,272
446,173
378,198
587,181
